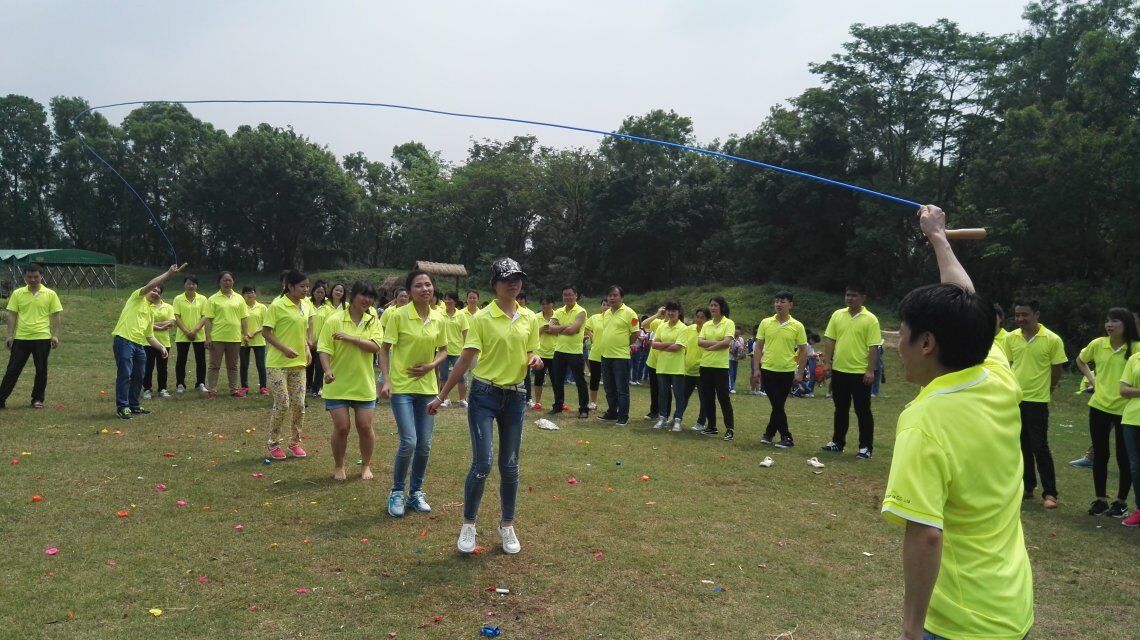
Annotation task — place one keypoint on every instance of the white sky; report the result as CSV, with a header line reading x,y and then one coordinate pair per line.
x,y
588,63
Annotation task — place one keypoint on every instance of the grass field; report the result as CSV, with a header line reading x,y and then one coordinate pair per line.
x,y
710,546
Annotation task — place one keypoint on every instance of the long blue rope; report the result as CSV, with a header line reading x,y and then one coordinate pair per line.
x,y
456,114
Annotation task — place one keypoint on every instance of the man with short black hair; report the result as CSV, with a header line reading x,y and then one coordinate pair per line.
x,y
850,350
779,362
34,327
568,325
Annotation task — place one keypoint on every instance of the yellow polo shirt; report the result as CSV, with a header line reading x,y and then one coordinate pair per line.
x,y
355,378
1131,377
693,351
503,343
320,314
1109,368
593,324
255,323
781,343
546,341
654,354
34,311
1032,361
136,320
854,335
671,363
998,365
717,331
957,466
163,312
189,312
454,326
226,314
616,328
569,343
289,323
414,341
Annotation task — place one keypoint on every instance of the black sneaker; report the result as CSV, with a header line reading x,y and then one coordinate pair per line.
x,y
607,416
123,413
650,416
555,411
728,435
621,422
1119,509
709,431
583,414
766,439
1098,508
832,447
785,443
140,412
864,454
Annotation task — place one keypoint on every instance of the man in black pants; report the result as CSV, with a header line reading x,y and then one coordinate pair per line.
x,y
779,360
34,327
850,351
567,325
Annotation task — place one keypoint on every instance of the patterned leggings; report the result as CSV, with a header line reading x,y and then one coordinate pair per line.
x,y
287,386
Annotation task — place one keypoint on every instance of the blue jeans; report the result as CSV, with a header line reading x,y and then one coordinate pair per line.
x,y
615,377
878,373
1132,443
672,384
487,404
414,425
732,365
130,366
444,368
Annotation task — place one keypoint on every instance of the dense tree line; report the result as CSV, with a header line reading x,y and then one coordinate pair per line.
x,y
1034,135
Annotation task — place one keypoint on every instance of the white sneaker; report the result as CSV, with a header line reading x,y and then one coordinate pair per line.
x,y
163,393
463,403
676,425
466,542
510,540
814,462
201,388
146,395
698,427
732,390
445,403
180,389
593,406
661,422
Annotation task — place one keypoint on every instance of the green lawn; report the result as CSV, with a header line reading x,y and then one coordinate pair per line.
x,y
710,546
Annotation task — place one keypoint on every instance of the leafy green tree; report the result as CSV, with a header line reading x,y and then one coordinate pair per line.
x,y
25,174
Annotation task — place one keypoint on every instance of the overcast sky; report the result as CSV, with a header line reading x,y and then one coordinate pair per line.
x,y
587,63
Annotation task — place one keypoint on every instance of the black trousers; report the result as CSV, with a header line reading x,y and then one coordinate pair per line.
x,y
540,375
595,374
779,385
848,388
154,360
654,398
39,351
1035,448
714,389
199,362
1102,424
259,361
315,373
568,362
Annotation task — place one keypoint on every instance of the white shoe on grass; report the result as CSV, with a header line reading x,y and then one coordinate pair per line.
x,y
466,542
510,540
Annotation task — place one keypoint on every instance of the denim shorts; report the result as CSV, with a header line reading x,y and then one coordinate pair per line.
x,y
346,404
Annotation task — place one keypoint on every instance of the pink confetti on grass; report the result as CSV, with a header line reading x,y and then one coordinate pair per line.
x,y
51,551
181,503
239,527
257,475
571,480
599,555
160,487
203,580
301,591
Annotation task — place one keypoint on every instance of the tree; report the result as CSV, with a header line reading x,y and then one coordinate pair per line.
x,y
25,174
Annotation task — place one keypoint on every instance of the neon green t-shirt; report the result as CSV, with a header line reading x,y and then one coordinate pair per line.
x,y
615,329
320,314
503,343
255,323
654,354
693,351
1131,377
671,363
1109,368
454,326
1032,361
546,341
593,324
136,320
569,343
781,343
290,324
190,313
414,341
34,312
719,358
226,314
352,366
163,312
957,467
854,335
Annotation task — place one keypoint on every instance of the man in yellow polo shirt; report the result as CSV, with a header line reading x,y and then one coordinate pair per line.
x,y
954,474
851,350
1036,355
619,329
33,330
780,360
568,326
133,332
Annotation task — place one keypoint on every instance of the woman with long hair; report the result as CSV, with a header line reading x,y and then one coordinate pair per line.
x,y
226,326
338,299
314,374
415,343
1109,354
505,335
349,339
715,338
286,329
255,344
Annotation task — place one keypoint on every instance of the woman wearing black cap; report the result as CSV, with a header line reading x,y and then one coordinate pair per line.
x,y
504,335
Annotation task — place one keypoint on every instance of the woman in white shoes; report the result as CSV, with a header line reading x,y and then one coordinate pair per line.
x,y
504,334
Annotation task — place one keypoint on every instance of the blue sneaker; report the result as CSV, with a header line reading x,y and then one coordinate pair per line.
x,y
418,502
396,504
